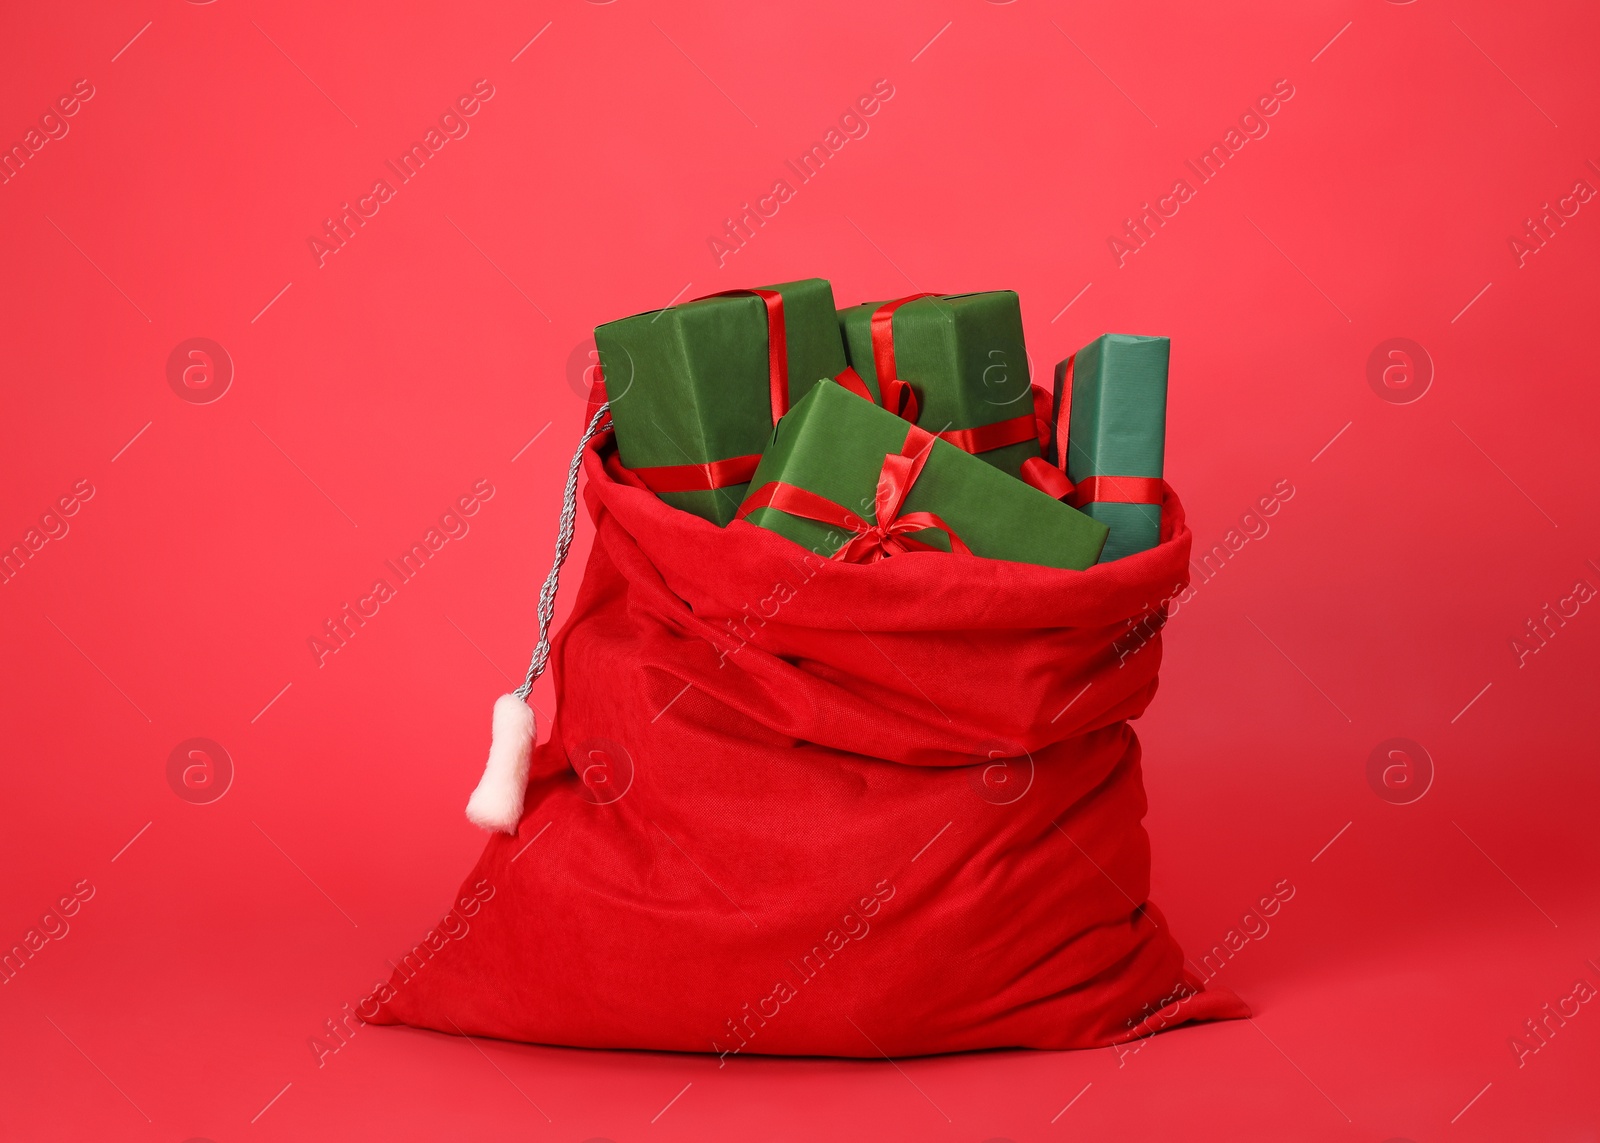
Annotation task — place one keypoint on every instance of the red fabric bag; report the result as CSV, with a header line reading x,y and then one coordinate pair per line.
x,y
792,805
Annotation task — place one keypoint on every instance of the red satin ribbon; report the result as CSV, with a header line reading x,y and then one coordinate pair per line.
x,y
883,336
1119,490
714,474
898,396
1046,477
1091,489
997,435
1035,426
777,345
870,542
1041,416
900,399
733,470
1053,436
699,477
852,381
706,477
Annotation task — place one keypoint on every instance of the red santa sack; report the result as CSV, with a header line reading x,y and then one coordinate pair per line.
x,y
796,806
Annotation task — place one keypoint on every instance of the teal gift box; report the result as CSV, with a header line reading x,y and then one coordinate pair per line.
x,y
1116,441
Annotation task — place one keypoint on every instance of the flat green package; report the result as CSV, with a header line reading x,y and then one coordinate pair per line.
x,y
1117,436
691,390
833,444
964,356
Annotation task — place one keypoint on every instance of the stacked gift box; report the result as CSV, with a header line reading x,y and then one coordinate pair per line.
x,y
908,425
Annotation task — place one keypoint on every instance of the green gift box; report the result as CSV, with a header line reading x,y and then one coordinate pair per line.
x,y
964,357
1117,435
695,389
821,478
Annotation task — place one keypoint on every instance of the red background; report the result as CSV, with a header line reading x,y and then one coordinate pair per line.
x,y
449,332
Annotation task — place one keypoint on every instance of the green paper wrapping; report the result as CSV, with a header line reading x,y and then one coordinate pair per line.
x,y
1119,428
833,443
964,356
690,384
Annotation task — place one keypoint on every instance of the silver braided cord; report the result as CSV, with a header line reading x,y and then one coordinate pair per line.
x,y
569,514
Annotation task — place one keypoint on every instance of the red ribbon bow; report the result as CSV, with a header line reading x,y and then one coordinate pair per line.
x,y
889,534
898,396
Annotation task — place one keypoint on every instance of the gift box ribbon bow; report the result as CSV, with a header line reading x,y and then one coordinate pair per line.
x,y
889,534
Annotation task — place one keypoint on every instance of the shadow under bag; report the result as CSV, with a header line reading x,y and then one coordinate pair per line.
x,y
798,806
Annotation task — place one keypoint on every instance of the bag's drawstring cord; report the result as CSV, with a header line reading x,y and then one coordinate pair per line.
x,y
569,515
497,802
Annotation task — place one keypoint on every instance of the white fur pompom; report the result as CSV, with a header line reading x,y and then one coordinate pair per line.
x,y
497,802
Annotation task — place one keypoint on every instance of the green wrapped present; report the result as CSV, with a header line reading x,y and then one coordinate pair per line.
x,y
1117,436
963,357
851,481
695,389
